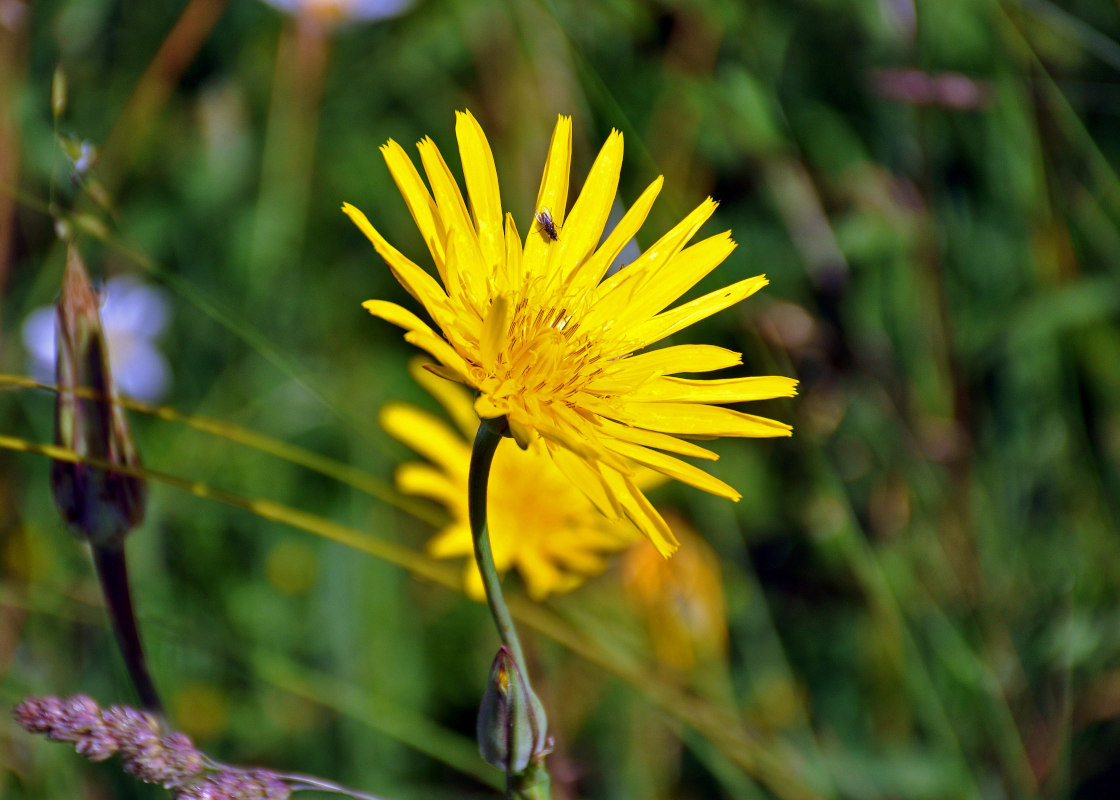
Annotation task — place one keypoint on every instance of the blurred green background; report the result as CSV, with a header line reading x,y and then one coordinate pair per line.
x,y
920,587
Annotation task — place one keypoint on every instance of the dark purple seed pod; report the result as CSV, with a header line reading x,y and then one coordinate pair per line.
x,y
98,504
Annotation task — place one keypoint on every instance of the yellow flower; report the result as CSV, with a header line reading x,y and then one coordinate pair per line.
x,y
680,601
540,524
550,340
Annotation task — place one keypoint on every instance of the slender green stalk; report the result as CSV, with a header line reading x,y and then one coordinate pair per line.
x,y
532,784
510,708
485,445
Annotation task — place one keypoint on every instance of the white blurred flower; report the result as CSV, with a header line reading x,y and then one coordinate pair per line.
x,y
340,11
133,315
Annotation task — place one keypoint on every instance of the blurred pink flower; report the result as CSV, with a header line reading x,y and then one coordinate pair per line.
x,y
950,90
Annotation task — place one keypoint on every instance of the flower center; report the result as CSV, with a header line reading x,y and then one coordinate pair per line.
x,y
540,356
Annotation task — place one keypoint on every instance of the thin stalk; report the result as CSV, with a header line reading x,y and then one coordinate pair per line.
x,y
532,781
482,456
112,573
299,782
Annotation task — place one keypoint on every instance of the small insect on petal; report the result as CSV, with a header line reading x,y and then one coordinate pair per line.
x,y
548,226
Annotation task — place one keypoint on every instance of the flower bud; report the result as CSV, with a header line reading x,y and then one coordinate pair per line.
x,y
99,504
512,727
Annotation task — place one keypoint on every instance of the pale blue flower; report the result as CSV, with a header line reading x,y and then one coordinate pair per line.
x,y
133,315
339,11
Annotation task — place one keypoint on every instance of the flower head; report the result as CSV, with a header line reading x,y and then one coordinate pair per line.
x,y
236,784
540,523
150,754
551,342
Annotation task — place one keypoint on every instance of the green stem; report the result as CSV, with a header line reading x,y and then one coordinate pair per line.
x,y
485,445
532,783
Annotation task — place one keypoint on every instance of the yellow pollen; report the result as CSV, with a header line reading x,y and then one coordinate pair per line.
x,y
541,359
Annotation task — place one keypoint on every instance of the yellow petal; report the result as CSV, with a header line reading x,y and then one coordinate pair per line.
x,y
494,332
641,512
541,575
523,435
416,281
689,419
584,226
553,195
511,276
472,582
453,212
571,439
448,374
672,278
670,322
661,441
579,436
440,350
427,434
449,200
665,361
418,199
464,262
615,295
588,562
594,268
481,178
397,315
486,408
675,469
452,542
456,401
424,480
585,477
418,333
719,392
681,233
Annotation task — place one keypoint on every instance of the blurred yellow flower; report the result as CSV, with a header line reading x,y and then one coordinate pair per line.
x,y
680,601
540,524
549,339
